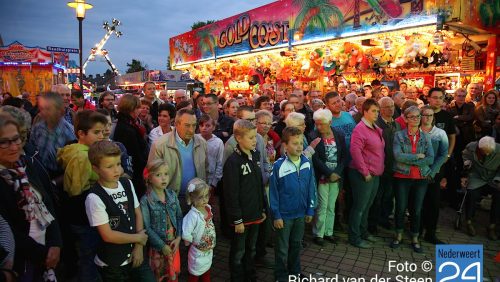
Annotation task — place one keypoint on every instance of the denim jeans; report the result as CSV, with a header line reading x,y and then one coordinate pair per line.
x,y
87,240
430,212
363,194
127,273
242,253
417,188
288,246
383,204
325,211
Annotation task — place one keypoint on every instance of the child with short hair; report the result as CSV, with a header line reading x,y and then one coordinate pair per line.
x,y
162,216
112,207
292,193
78,178
244,200
215,152
198,230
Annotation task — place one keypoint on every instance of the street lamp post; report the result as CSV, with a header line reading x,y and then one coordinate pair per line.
x,y
80,6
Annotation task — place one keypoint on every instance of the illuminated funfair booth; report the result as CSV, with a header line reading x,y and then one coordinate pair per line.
x,y
311,44
30,69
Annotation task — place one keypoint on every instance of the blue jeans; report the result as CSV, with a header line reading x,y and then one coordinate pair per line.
x,y
87,241
417,188
242,253
383,204
363,194
288,246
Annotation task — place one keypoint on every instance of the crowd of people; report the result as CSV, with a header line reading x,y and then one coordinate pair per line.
x,y
122,190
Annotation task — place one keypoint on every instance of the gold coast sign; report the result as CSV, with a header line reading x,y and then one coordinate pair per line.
x,y
258,34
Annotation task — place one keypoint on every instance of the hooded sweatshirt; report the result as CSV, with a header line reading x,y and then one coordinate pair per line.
x,y
78,178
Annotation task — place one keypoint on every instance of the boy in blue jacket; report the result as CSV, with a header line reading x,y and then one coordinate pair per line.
x,y
292,192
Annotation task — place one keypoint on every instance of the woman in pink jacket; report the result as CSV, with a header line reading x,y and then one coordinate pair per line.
x,y
367,152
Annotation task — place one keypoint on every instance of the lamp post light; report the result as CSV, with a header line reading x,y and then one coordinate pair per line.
x,y
80,6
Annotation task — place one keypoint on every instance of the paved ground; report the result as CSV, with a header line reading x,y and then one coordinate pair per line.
x,y
344,261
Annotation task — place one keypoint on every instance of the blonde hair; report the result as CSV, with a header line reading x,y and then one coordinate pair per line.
x,y
194,189
241,127
152,167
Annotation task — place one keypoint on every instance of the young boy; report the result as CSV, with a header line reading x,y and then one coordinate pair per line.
x,y
78,178
244,201
292,198
215,152
112,207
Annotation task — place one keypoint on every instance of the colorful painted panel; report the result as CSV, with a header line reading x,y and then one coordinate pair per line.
x,y
286,22
17,52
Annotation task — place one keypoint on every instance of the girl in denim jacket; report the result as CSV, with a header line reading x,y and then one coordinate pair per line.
x,y
163,221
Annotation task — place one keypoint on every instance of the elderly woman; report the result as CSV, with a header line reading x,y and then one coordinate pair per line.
x,y
486,112
367,152
298,120
329,162
439,139
132,135
26,205
166,113
286,108
413,155
482,159
271,138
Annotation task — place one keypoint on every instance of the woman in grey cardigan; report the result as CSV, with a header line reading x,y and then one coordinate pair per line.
x,y
483,161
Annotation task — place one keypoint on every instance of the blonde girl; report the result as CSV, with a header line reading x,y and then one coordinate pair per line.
x,y
198,231
163,222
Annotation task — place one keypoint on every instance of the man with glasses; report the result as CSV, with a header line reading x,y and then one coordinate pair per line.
x,y
442,84
107,102
412,94
446,122
179,96
224,125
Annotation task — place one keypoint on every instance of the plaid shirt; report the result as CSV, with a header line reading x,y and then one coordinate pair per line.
x,y
48,142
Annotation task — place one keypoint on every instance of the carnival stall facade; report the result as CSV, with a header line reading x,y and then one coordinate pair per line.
x,y
311,43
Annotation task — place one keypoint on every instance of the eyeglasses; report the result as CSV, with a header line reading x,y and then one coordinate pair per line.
x,y
413,117
5,143
442,83
265,123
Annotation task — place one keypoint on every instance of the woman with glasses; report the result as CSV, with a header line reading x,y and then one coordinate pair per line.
x,y
439,139
26,205
271,138
413,155
285,109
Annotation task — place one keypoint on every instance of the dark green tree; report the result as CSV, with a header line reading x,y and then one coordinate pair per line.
x,y
135,66
200,24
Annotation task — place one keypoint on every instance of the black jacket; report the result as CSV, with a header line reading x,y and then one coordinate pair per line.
x,y
224,124
136,146
319,157
243,188
464,120
27,248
